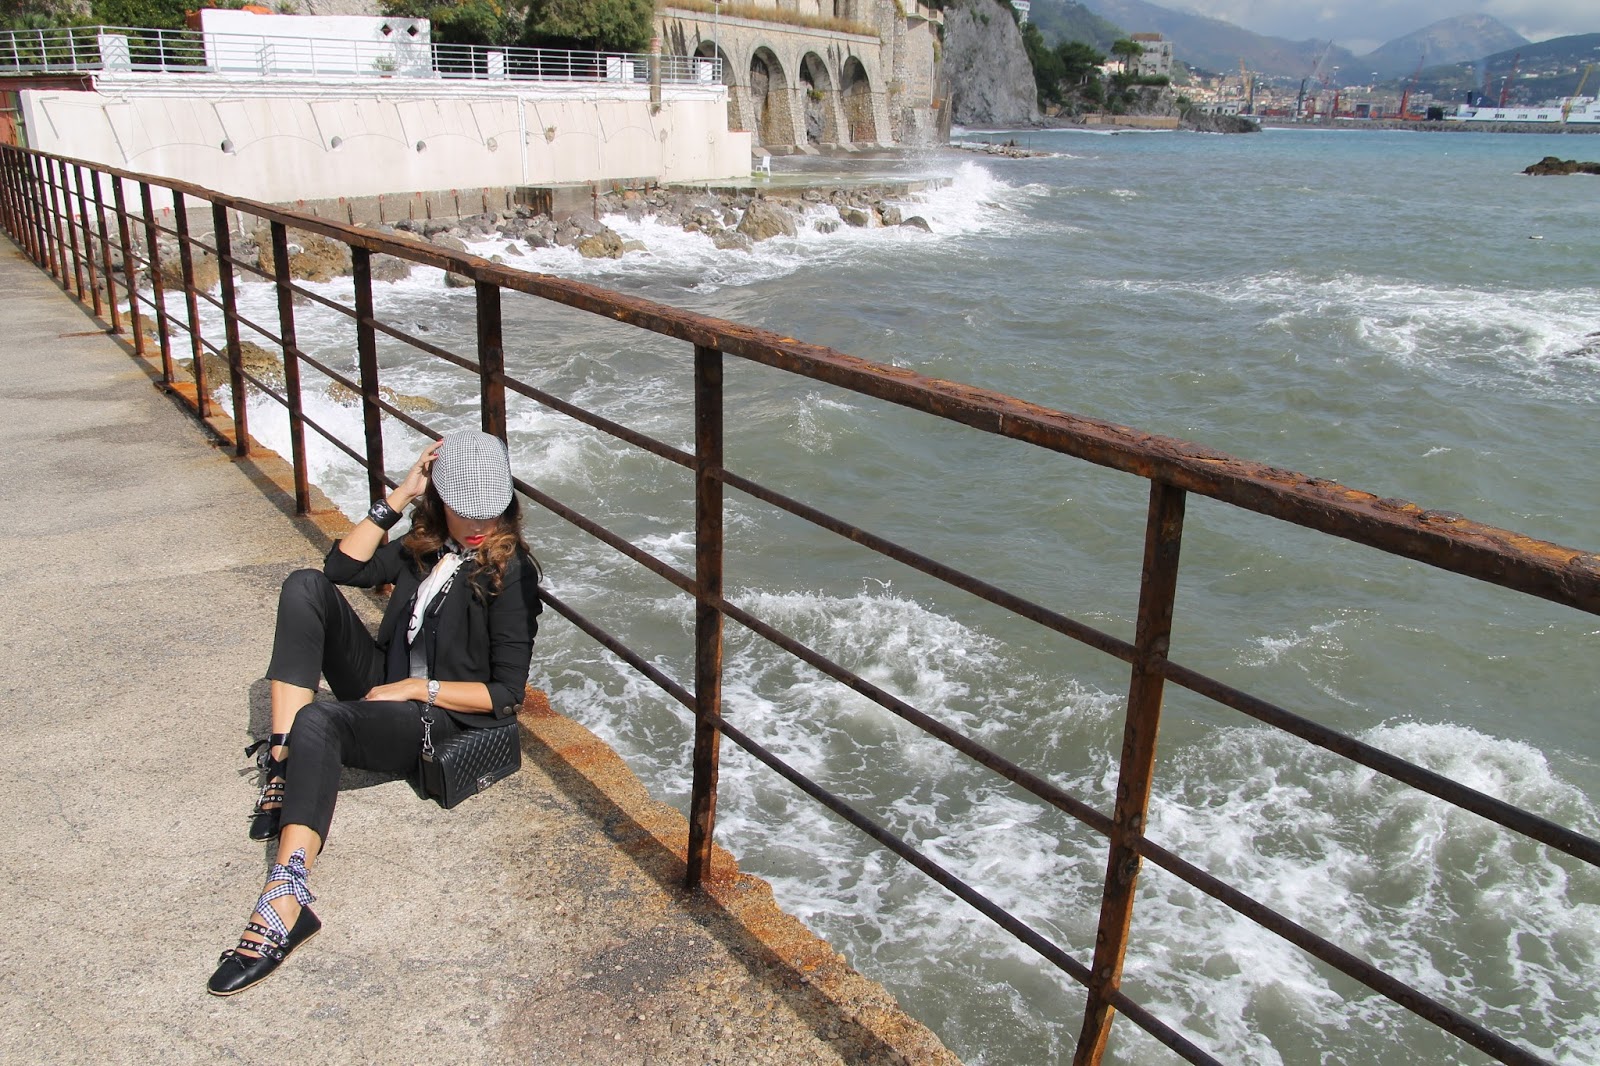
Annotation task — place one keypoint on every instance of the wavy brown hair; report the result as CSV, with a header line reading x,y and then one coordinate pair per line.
x,y
429,533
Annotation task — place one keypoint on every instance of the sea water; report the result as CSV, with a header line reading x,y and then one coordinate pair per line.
x,y
1401,312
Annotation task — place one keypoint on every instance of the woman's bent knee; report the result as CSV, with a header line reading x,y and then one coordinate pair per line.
x,y
306,584
313,728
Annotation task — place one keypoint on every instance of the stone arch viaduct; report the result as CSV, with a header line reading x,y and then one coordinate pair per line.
x,y
801,89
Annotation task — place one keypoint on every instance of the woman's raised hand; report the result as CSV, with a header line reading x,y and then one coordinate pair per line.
x,y
415,482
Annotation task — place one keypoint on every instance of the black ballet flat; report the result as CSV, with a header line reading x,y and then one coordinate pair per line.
x,y
264,820
236,971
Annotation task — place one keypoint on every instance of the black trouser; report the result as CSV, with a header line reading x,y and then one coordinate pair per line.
x,y
319,634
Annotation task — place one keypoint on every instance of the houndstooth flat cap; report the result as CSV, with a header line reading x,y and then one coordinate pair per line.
x,y
473,474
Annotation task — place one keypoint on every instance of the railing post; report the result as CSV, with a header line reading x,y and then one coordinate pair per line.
x,y
41,215
47,217
367,352
223,241
105,253
491,360
180,216
707,612
129,270
28,204
291,366
16,216
72,230
157,286
8,199
1158,588
88,239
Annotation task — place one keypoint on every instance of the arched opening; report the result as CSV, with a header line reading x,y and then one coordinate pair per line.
x,y
857,99
767,85
818,90
708,50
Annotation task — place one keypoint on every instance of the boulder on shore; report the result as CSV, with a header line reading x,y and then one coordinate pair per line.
x,y
263,365
731,240
345,396
764,220
206,272
606,244
390,268
311,257
1551,165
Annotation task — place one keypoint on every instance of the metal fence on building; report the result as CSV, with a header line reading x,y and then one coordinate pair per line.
x,y
125,50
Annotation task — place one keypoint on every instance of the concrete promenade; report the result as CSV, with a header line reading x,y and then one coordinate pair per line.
x,y
542,922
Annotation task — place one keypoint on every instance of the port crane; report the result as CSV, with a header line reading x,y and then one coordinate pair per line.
x,y
1248,89
1405,97
1300,101
1566,108
1505,86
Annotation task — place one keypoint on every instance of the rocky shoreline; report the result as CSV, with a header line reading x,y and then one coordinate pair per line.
x,y
734,219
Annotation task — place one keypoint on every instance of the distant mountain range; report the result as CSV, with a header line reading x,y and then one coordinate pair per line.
x,y
1543,71
1463,39
1214,45
1063,20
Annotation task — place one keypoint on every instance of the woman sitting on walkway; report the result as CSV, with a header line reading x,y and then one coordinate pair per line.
x,y
457,634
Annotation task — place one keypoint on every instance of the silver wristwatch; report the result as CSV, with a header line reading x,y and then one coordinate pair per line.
x,y
433,691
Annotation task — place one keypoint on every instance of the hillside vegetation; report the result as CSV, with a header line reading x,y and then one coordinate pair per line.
x,y
1545,70
1067,20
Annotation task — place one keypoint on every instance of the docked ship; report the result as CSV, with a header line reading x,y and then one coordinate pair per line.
x,y
1569,110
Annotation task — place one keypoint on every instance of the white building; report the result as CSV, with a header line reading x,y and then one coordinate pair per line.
x,y
1023,8
1156,62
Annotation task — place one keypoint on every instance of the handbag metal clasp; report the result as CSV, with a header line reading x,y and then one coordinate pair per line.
x,y
485,781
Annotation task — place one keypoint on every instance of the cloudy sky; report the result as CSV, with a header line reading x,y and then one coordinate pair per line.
x,y
1362,25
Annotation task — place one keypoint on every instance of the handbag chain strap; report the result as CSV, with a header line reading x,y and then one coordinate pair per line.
x,y
427,712
427,731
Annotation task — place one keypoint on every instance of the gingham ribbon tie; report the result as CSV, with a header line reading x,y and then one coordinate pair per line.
x,y
291,878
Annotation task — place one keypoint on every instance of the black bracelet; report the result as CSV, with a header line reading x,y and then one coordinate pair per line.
x,y
383,516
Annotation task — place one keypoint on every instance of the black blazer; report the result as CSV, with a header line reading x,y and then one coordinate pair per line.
x,y
471,636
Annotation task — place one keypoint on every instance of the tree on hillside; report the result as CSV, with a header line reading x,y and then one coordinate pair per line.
x,y
1129,51
153,14
1066,75
41,14
597,25
1047,71
464,21
1079,62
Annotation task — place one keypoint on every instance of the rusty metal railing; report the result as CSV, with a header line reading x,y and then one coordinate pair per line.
x,y
58,213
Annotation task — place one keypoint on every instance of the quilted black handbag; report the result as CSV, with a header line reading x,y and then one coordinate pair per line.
x,y
468,762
